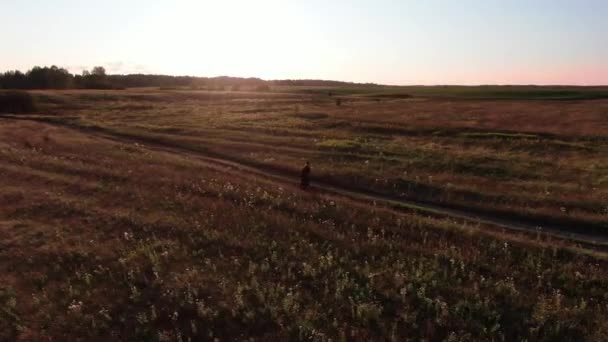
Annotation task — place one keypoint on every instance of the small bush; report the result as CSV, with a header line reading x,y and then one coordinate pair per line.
x,y
262,88
16,102
9,320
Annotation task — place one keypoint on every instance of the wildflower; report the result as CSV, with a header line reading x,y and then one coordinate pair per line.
x,y
127,236
75,306
105,314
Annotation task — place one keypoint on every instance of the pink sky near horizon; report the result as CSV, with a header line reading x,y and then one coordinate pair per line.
x,y
585,75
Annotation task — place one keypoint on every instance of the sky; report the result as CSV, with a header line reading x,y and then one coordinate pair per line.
x,y
380,41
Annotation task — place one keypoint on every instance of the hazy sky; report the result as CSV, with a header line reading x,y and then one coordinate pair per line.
x,y
383,41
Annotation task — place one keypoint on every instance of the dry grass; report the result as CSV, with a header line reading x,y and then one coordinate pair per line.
x,y
544,160
104,240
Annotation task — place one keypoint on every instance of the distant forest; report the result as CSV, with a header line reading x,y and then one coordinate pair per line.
x,y
59,78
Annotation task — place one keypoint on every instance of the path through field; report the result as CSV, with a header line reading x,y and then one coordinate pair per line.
x,y
325,189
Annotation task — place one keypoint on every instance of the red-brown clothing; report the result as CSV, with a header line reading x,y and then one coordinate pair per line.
x,y
305,176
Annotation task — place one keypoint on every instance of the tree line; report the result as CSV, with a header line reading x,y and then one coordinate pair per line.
x,y
59,78
54,78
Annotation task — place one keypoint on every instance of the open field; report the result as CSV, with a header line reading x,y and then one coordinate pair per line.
x,y
105,236
540,160
489,92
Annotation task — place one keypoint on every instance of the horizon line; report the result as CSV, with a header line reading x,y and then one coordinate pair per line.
x,y
333,80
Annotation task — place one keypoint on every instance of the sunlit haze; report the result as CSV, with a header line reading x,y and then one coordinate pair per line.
x,y
381,41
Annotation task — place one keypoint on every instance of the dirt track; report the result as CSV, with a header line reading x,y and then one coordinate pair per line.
x,y
240,169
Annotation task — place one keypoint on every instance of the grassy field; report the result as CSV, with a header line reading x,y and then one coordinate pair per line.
x,y
508,92
537,159
106,239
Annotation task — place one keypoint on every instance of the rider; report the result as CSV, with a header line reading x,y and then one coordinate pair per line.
x,y
305,177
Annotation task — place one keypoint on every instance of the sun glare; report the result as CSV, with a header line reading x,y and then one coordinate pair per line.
x,y
232,38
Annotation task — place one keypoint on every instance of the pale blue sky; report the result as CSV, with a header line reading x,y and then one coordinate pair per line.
x,y
383,41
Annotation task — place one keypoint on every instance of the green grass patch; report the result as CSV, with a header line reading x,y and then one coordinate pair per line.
x,y
340,144
498,135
